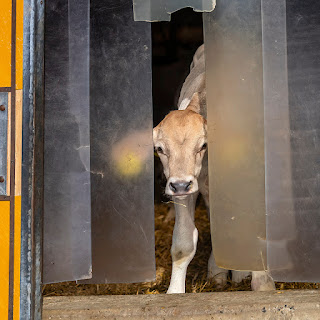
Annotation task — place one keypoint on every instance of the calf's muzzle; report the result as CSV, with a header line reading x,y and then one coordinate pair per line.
x,y
180,187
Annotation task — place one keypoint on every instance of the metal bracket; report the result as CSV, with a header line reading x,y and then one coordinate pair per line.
x,y
3,141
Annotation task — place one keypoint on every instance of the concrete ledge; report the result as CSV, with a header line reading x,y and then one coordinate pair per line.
x,y
219,305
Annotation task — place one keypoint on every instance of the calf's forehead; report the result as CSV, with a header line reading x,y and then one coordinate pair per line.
x,y
182,127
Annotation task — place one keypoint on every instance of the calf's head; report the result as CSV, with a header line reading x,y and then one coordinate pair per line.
x,y
180,140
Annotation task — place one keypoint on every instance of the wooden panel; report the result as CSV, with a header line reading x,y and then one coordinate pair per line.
x,y
18,145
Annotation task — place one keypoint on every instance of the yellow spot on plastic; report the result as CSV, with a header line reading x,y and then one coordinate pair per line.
x,y
129,164
234,150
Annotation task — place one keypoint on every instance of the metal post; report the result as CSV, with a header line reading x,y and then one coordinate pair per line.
x,y
32,161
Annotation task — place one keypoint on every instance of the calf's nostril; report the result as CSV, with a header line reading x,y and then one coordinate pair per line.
x,y
172,187
188,186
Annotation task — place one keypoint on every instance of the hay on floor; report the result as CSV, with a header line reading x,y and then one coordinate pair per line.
x,y
196,275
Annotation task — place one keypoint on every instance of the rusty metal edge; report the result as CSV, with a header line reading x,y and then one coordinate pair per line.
x,y
12,159
4,198
32,161
5,89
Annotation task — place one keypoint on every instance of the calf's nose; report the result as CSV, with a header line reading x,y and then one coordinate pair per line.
x,y
180,186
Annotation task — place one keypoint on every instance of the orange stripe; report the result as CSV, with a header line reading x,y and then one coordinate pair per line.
x,y
4,261
17,246
5,43
19,43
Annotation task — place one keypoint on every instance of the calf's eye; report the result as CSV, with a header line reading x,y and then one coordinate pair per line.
x,y
159,150
204,147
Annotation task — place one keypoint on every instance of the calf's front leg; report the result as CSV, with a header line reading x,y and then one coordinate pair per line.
x,y
262,281
184,241
218,275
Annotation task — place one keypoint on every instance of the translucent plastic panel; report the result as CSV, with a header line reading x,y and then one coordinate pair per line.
x,y
121,145
3,141
291,33
235,110
67,201
160,10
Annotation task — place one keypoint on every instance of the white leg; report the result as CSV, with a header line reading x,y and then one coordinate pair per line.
x,y
215,273
184,242
262,281
238,276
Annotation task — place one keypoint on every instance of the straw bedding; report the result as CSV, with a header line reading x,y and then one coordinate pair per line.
x,y
196,275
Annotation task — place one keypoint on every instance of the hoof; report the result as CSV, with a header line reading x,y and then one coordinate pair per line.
x,y
261,281
220,279
172,291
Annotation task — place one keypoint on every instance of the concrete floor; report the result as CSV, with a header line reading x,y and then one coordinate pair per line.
x,y
302,305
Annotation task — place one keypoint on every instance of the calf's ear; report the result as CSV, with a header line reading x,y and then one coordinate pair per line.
x,y
194,104
155,133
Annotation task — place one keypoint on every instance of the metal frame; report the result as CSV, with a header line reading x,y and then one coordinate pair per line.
x,y
11,196
4,144
5,89
32,161
11,178
12,159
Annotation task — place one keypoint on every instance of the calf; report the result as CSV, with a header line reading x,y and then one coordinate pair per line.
x,y
181,143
